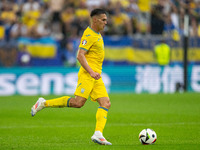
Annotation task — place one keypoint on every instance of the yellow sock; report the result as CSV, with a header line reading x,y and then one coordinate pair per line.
x,y
101,118
58,102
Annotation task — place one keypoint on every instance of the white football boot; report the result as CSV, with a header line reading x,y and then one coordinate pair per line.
x,y
39,105
99,139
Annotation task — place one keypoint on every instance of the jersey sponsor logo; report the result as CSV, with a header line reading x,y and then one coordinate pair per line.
x,y
88,35
84,42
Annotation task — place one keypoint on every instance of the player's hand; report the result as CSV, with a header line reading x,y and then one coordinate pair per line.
x,y
95,75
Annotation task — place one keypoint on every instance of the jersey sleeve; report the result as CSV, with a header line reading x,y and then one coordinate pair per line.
x,y
86,42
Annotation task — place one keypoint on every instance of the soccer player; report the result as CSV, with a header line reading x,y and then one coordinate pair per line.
x,y
91,56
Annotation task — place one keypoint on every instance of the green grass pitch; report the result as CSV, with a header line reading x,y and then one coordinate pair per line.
x,y
174,117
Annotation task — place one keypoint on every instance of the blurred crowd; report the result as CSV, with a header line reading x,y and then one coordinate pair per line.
x,y
68,18
65,20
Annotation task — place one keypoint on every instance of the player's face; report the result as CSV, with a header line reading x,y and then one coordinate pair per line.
x,y
101,21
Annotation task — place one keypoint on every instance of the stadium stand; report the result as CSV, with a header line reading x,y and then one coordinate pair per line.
x,y
48,33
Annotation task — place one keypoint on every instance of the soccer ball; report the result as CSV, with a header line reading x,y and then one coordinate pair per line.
x,y
147,136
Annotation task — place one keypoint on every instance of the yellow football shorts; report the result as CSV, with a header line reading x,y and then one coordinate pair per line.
x,y
88,86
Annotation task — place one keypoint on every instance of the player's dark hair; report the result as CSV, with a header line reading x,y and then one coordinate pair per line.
x,y
97,11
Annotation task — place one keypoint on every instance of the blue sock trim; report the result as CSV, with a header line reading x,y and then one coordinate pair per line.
x,y
68,102
104,108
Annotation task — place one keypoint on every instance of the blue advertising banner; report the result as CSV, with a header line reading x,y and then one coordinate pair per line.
x,y
134,79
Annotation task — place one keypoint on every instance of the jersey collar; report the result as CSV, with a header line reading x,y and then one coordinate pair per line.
x,y
93,30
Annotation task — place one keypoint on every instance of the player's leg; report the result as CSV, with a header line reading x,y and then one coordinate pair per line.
x,y
82,92
76,102
58,102
64,101
101,119
102,112
100,95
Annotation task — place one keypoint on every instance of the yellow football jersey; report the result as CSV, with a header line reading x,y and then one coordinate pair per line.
x,y
92,42
144,5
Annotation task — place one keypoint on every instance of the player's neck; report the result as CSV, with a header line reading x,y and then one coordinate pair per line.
x,y
94,28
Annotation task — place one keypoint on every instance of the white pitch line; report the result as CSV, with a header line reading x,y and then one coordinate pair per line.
x,y
108,125
156,124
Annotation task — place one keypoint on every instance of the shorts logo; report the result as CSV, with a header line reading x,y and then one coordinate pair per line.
x,y
82,90
84,42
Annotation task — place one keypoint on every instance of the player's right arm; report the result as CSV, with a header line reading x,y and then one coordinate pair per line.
x,y
81,58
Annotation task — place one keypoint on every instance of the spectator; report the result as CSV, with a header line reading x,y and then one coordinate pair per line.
x,y
8,15
56,31
56,7
194,17
144,16
133,11
169,26
30,18
69,54
133,7
91,4
157,18
7,18
2,32
19,29
197,12
8,54
82,17
68,19
31,5
121,23
175,16
43,27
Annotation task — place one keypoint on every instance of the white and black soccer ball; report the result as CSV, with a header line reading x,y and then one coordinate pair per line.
x,y
147,136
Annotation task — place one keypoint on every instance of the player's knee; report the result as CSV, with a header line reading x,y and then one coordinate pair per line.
x,y
79,105
79,102
108,104
104,102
